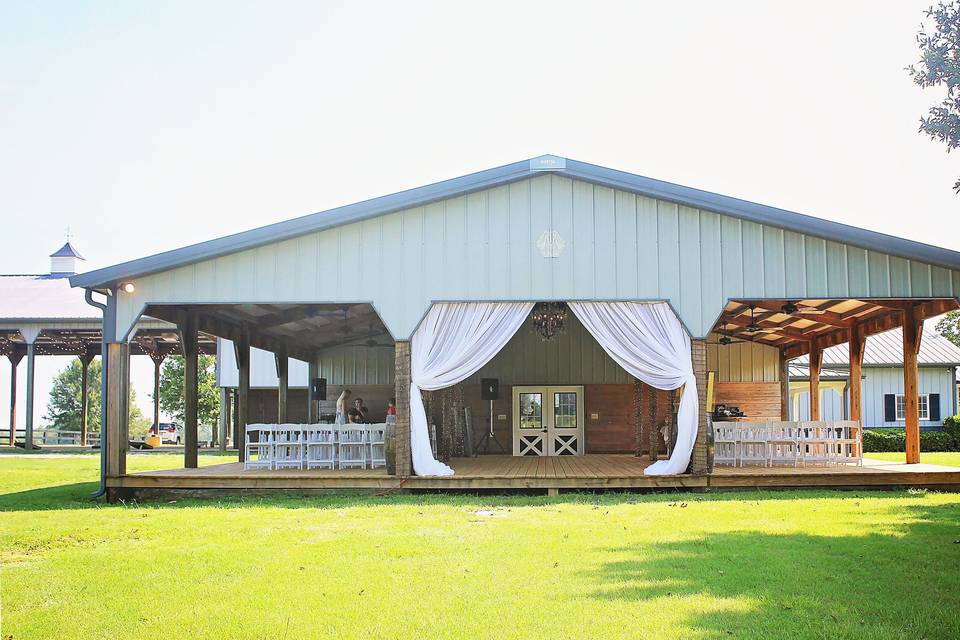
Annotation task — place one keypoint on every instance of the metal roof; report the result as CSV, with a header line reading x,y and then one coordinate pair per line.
x,y
67,251
504,175
34,298
886,349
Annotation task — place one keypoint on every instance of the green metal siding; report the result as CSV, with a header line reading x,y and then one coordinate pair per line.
x,y
482,246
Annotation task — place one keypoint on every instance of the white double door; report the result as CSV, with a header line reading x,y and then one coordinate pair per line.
x,y
548,421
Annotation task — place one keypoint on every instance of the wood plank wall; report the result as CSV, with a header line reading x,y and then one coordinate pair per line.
x,y
758,400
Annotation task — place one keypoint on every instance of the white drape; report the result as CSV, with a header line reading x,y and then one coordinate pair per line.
x,y
452,343
648,341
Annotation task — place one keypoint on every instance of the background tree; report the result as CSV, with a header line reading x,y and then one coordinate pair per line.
x,y
949,327
63,407
939,65
208,395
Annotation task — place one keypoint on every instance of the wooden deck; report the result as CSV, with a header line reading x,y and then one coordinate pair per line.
x,y
568,473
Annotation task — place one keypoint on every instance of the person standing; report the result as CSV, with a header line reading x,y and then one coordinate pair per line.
x,y
342,407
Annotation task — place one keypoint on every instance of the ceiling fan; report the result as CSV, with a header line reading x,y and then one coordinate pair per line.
x,y
753,327
725,338
794,306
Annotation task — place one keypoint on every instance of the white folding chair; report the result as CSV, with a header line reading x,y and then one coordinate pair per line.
x,y
783,443
321,446
814,442
352,446
288,446
847,445
753,443
376,445
726,442
258,446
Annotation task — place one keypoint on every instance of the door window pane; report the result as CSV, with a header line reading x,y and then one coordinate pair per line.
x,y
565,410
531,411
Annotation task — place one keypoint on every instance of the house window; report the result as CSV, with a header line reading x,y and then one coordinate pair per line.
x,y
924,406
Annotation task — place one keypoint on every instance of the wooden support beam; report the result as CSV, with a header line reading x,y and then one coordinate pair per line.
x,y
190,392
816,360
283,384
115,423
911,343
857,346
242,349
403,463
15,356
784,373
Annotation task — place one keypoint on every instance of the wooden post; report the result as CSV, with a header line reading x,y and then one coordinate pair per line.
x,y
404,465
115,423
85,359
784,387
911,343
31,358
816,360
242,347
157,357
15,356
282,384
191,353
857,344
701,461
223,418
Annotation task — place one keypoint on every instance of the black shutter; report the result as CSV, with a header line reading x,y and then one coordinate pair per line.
x,y
933,406
889,407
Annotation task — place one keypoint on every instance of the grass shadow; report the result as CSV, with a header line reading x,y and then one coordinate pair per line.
x,y
898,583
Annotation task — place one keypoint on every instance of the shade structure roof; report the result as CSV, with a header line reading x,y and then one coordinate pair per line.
x,y
40,297
886,349
506,174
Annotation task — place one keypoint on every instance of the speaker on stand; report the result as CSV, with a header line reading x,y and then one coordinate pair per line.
x,y
489,390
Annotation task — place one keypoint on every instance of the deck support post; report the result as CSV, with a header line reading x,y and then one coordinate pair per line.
x,y
85,359
784,386
912,327
188,331
15,356
816,360
313,404
223,420
242,347
701,462
283,384
857,345
116,420
403,463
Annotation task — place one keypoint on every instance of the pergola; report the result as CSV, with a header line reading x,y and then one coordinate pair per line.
x,y
807,327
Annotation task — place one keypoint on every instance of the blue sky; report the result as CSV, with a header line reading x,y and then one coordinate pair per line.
x,y
147,126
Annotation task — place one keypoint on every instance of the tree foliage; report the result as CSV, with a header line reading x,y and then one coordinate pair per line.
x,y
939,65
63,407
949,327
208,395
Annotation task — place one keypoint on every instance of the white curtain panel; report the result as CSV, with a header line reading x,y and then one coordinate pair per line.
x,y
454,340
650,343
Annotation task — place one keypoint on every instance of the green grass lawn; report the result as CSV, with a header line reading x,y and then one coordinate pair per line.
x,y
948,458
732,565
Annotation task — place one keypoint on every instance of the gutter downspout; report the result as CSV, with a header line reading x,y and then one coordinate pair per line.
x,y
88,296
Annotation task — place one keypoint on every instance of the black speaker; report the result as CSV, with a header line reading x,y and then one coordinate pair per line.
x,y
318,389
490,388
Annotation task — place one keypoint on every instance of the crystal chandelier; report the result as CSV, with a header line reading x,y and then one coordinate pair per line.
x,y
547,319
